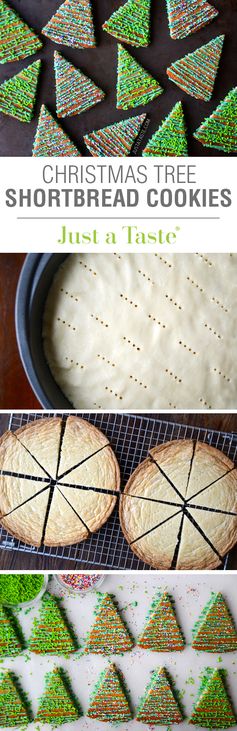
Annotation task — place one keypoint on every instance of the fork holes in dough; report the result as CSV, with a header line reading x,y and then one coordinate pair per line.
x,y
145,276
173,375
124,297
113,393
106,360
151,317
127,340
205,259
204,403
176,304
211,330
68,294
73,362
95,317
187,348
68,324
82,263
195,284
217,302
164,261
136,380
223,375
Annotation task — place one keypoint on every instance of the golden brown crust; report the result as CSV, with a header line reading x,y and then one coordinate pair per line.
x,y
216,453
161,451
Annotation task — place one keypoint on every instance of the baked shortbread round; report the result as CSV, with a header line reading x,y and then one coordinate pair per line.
x,y
179,507
58,481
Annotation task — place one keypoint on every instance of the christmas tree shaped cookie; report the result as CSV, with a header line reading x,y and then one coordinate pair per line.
x,y
196,72
17,40
215,631
57,704
72,25
135,86
51,632
188,16
109,635
109,701
74,91
213,708
11,638
14,707
116,140
17,95
162,632
220,129
158,705
51,140
131,23
170,138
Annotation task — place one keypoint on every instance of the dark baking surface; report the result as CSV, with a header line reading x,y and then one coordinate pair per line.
x,y
16,138
13,560
15,390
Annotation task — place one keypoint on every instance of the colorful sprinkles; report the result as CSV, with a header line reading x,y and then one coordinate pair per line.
x,y
170,138
162,632
135,86
196,72
213,708
117,139
75,92
13,710
51,140
158,705
188,16
131,23
17,40
215,631
109,635
109,701
57,704
220,129
72,25
17,94
51,633
80,582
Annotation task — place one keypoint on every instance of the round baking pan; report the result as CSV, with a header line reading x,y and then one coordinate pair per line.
x,y
34,282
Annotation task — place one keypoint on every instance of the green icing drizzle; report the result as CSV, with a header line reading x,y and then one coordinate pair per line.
x,y
131,23
51,632
17,95
170,138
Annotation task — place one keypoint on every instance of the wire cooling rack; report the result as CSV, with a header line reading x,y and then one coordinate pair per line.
x,y
131,437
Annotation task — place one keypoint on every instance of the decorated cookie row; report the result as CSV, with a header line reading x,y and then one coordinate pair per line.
x,y
72,25
110,701
52,633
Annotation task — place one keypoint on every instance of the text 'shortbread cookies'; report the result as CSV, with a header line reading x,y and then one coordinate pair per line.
x,y
179,507
157,331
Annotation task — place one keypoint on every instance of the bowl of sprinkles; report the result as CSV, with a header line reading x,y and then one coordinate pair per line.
x,y
22,590
80,583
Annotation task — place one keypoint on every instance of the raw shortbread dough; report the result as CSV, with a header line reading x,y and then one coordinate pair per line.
x,y
148,331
